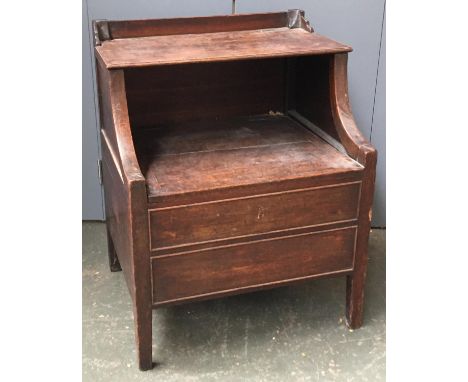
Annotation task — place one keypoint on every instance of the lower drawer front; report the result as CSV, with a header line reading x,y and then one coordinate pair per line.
x,y
226,269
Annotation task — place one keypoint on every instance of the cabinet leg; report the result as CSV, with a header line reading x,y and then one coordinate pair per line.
x,y
143,334
113,260
355,299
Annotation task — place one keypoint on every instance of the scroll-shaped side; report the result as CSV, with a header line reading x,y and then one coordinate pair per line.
x,y
115,124
349,135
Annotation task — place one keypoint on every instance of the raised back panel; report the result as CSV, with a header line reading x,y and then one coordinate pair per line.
x,y
191,25
189,92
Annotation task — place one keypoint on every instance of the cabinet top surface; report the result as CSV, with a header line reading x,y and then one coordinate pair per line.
x,y
218,46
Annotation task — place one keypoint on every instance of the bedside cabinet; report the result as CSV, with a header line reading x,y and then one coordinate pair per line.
x,y
231,160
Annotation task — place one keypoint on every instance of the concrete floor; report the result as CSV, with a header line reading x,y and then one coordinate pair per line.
x,y
294,333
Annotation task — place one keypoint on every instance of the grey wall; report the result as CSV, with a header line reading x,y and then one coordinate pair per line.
x,y
378,138
357,23
92,197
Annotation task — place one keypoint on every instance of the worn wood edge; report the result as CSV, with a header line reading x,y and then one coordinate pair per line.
x,y
112,154
100,31
294,114
296,19
275,238
144,64
250,238
250,288
123,151
126,149
175,199
254,196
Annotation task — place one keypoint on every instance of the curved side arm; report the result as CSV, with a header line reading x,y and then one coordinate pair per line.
x,y
126,149
115,124
351,138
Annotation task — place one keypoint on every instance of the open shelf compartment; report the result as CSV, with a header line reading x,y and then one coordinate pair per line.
x,y
235,127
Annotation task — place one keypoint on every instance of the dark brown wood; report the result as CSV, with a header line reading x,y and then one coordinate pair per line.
x,y
181,93
126,205
189,275
220,46
311,94
248,216
118,29
360,149
208,156
324,101
225,173
105,30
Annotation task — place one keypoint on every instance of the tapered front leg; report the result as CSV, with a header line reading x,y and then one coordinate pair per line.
x,y
356,281
113,259
358,148
143,334
355,299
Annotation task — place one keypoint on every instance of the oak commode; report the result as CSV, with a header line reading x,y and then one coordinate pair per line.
x,y
231,160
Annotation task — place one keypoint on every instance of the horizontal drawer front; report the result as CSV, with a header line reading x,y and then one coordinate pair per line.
x,y
183,225
234,267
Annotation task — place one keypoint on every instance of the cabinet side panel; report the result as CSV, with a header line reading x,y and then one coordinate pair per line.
x,y
117,212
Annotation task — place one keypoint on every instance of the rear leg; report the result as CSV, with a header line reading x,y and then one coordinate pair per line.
x,y
113,259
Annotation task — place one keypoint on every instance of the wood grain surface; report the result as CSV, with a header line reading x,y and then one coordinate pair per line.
x,y
183,93
219,46
243,151
275,261
245,217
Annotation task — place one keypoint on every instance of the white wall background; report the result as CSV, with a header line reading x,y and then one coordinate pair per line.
x,y
359,23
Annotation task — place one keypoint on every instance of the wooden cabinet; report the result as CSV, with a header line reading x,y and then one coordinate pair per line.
x,y
231,160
